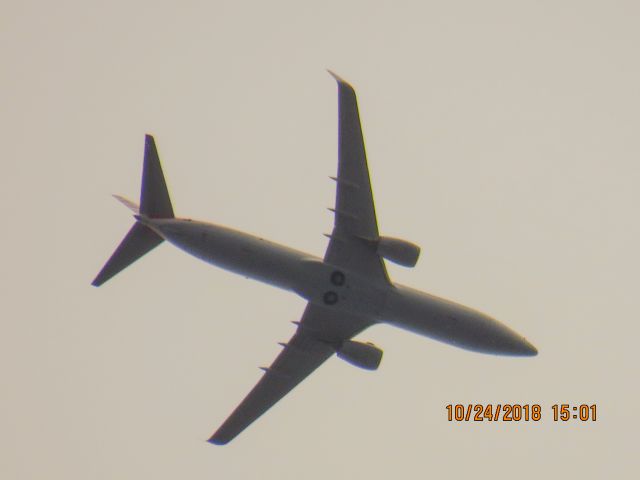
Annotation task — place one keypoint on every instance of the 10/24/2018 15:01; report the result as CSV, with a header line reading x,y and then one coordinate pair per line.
x,y
518,412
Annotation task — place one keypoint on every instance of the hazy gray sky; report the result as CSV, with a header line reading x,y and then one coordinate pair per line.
x,y
502,137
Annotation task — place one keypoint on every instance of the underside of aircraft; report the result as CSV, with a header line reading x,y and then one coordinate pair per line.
x,y
348,290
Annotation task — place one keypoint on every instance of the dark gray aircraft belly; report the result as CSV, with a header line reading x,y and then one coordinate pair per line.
x,y
310,277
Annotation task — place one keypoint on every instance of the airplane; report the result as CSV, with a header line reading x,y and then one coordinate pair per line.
x,y
347,291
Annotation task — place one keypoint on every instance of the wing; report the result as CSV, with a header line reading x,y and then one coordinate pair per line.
x,y
352,247
319,331
352,243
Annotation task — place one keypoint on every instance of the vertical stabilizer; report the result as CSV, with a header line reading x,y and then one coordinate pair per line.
x,y
154,196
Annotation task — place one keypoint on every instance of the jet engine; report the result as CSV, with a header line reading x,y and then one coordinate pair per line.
x,y
363,355
398,251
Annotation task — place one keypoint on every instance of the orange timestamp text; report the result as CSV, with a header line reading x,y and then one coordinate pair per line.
x,y
516,412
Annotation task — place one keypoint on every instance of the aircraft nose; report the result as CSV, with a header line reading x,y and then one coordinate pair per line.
x,y
505,341
525,349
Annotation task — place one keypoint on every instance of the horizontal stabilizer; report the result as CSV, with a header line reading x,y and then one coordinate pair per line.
x,y
140,240
133,206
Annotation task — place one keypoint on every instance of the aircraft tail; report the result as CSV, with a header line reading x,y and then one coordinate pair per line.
x,y
154,203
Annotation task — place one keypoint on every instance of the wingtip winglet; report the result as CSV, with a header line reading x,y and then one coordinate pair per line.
x,y
339,79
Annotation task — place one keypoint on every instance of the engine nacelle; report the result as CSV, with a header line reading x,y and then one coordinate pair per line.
x,y
363,355
398,251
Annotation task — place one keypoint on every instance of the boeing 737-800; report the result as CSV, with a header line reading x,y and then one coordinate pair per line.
x,y
347,291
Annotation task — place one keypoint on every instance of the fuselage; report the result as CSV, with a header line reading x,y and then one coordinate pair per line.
x,y
310,277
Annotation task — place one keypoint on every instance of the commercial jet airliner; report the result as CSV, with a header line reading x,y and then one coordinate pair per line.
x,y
348,290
